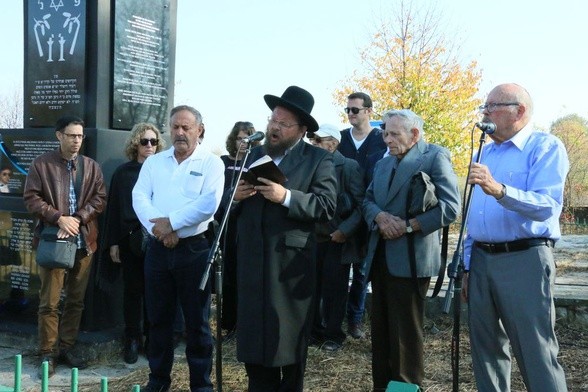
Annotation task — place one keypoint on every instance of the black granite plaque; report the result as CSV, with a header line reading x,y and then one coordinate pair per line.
x,y
55,53
141,62
17,151
19,280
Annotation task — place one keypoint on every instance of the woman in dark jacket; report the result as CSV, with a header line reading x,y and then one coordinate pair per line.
x,y
232,161
124,232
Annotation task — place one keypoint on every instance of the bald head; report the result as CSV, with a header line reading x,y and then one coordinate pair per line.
x,y
514,112
512,92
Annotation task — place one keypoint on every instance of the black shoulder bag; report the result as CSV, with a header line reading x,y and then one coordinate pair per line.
x,y
54,252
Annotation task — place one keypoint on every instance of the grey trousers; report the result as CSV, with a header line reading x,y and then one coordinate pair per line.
x,y
511,300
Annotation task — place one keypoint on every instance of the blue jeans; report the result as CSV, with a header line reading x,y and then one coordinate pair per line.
x,y
357,294
172,275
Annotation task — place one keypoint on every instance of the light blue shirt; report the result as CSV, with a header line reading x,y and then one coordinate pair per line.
x,y
187,193
533,166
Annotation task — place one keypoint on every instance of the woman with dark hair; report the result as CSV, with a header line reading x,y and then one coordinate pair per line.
x,y
124,232
236,149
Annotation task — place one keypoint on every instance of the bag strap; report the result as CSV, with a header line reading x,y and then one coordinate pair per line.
x,y
412,256
442,267
411,253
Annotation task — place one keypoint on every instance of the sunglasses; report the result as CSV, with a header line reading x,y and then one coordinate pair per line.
x,y
354,110
144,142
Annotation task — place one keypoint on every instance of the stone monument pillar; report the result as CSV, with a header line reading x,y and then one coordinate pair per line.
x,y
110,62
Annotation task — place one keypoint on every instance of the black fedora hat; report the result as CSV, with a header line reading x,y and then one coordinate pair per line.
x,y
299,101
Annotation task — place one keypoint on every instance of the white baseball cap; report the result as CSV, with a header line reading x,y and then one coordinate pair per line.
x,y
326,130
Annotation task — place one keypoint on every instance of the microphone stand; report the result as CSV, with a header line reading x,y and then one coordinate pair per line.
x,y
215,257
455,274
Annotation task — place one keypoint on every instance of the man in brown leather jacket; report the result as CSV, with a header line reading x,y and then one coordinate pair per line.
x,y
52,196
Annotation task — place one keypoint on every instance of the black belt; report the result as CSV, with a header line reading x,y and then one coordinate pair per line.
x,y
513,246
191,239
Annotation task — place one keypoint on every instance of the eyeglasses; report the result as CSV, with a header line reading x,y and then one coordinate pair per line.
x,y
280,124
5,174
491,107
144,142
354,110
72,136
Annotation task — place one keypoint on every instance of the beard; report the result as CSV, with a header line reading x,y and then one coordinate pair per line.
x,y
279,149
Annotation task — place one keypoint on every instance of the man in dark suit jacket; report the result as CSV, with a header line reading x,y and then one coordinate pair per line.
x,y
276,273
398,309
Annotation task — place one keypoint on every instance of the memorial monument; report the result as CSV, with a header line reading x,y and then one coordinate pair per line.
x,y
110,62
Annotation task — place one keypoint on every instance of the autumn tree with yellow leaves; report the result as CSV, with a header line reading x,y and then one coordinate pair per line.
x,y
573,132
410,65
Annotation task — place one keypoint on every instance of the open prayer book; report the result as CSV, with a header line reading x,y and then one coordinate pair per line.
x,y
266,168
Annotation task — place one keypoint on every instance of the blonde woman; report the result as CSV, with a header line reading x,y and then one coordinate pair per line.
x,y
124,233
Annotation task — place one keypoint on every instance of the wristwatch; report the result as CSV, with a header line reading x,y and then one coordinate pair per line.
x,y
502,193
408,227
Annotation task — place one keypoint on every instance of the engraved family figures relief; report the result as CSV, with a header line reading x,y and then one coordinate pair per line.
x,y
56,33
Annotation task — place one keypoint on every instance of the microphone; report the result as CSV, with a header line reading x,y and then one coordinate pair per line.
x,y
487,127
255,137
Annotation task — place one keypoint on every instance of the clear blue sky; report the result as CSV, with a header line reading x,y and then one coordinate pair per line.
x,y
231,53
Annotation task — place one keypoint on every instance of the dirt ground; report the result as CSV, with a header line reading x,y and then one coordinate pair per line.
x,y
350,368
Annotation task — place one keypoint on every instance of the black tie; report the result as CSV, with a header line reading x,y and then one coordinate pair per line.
x,y
391,178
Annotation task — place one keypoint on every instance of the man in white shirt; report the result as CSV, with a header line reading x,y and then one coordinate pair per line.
x,y
175,197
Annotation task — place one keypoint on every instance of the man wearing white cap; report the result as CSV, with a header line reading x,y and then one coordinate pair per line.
x,y
336,243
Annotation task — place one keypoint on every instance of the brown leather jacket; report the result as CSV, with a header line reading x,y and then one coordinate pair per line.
x,y
46,194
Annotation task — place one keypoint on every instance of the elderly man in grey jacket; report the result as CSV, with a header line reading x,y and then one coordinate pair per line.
x,y
398,302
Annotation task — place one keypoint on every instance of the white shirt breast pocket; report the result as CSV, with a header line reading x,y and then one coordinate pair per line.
x,y
193,182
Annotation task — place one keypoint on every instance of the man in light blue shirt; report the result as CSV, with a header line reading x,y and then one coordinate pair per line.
x,y
512,226
175,197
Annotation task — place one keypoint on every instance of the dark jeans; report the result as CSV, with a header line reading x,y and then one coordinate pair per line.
x,y
357,294
171,275
331,293
134,309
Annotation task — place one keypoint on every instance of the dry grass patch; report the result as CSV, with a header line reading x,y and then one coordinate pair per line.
x,y
350,368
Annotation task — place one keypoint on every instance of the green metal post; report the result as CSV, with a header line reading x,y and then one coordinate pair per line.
x,y
74,380
104,384
45,378
136,388
17,372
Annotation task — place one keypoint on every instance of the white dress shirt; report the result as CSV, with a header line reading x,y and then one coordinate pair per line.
x,y
187,193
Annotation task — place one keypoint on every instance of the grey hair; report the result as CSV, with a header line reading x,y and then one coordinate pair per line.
x,y
190,109
411,119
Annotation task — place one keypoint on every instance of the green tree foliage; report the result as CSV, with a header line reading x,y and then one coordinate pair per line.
x,y
573,132
410,65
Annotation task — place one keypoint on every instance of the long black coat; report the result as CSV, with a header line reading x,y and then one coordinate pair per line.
x,y
276,259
